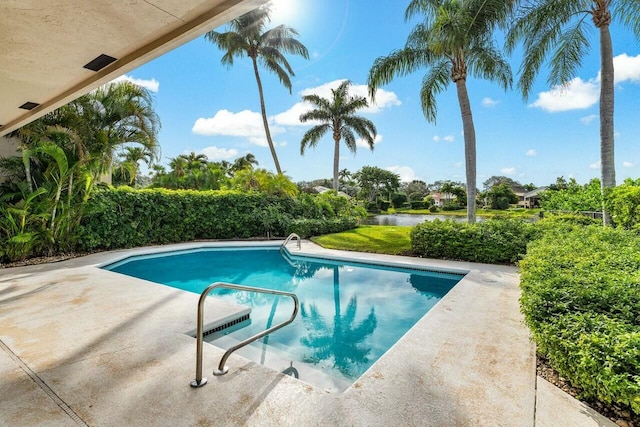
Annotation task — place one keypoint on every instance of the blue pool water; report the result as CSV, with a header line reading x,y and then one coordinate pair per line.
x,y
350,313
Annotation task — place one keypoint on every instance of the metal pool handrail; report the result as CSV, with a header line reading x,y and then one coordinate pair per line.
x,y
289,238
222,369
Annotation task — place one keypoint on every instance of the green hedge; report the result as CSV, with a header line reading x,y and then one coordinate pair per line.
x,y
498,241
581,300
123,217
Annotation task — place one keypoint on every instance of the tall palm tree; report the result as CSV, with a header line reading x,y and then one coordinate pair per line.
x,y
453,41
247,37
559,28
338,115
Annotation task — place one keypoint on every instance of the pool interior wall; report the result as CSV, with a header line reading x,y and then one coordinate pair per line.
x,y
351,312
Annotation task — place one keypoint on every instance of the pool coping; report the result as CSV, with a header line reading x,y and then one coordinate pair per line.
x,y
468,361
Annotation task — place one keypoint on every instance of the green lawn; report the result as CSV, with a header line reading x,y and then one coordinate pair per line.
x,y
388,240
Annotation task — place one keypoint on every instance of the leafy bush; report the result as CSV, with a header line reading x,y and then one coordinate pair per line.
x,y
498,241
581,299
398,200
433,209
124,217
623,202
417,204
572,196
452,207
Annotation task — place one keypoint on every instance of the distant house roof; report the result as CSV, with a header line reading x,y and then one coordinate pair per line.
x,y
534,193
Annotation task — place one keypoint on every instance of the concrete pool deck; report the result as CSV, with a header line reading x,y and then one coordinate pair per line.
x,y
81,345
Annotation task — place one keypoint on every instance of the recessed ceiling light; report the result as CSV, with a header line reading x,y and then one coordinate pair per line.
x,y
29,105
100,62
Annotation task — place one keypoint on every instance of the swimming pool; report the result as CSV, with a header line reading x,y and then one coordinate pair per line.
x,y
351,313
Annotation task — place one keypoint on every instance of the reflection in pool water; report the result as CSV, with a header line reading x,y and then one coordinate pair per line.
x,y
350,313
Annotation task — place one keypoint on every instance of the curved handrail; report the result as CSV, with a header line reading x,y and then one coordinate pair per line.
x,y
222,369
289,238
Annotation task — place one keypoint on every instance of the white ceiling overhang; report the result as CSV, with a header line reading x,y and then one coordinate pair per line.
x,y
45,45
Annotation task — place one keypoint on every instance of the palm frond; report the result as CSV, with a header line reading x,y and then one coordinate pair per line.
x,y
399,63
313,136
433,83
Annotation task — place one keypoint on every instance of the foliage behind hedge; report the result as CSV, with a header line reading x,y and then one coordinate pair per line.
x,y
498,241
581,300
123,217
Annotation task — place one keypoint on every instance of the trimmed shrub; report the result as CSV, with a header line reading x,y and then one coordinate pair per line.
x,y
123,217
433,209
498,241
417,204
581,300
452,207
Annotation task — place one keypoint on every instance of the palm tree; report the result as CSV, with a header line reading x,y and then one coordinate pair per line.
x,y
559,28
131,158
338,115
244,162
195,161
454,41
114,115
247,37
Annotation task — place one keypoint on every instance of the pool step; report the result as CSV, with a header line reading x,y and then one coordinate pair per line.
x,y
235,320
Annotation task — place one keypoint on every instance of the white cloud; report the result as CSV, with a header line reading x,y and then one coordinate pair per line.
x,y
508,171
291,117
448,138
362,143
488,102
579,94
153,85
531,152
627,68
214,153
588,119
575,95
405,172
628,164
595,165
247,124
457,165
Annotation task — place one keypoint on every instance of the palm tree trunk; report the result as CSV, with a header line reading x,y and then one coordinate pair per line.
x,y
336,164
607,159
264,118
469,148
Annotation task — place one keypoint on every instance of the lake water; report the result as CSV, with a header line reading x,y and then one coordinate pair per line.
x,y
409,219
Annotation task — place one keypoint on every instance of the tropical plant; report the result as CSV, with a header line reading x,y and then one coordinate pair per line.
x,y
559,29
247,37
453,41
338,116
112,116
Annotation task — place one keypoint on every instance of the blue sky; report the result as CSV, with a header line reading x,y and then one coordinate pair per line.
x,y
207,108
